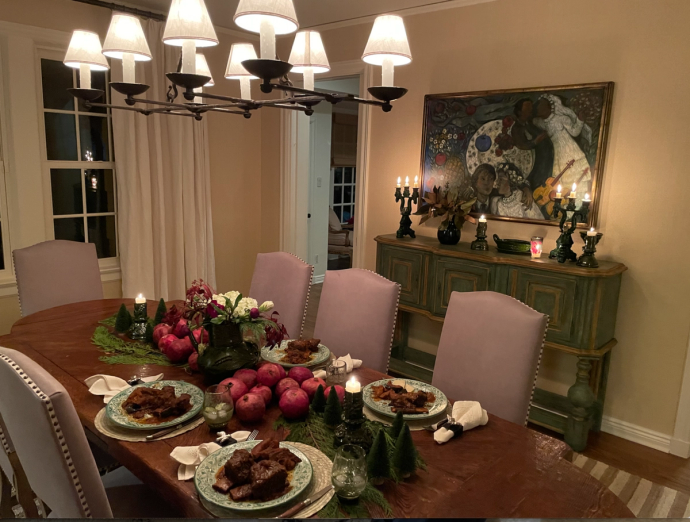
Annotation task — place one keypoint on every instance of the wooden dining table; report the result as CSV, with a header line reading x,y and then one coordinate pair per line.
x,y
501,470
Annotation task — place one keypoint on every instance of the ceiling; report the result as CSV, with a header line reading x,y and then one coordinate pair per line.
x,y
311,12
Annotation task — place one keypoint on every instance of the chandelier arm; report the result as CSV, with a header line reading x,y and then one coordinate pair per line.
x,y
183,106
302,99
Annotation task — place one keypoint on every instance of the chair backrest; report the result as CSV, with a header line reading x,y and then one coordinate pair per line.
x,y
49,439
54,273
489,352
357,314
284,279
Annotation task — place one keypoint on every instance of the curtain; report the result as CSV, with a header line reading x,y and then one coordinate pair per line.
x,y
163,186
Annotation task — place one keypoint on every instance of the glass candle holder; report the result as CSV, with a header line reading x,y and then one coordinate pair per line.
x,y
536,246
336,373
349,474
138,331
218,406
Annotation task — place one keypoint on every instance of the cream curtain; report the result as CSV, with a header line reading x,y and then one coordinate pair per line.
x,y
164,188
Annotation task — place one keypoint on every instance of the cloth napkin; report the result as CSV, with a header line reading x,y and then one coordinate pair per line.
x,y
467,414
350,364
109,386
190,457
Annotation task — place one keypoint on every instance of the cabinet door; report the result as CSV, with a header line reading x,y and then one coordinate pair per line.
x,y
453,275
554,295
408,268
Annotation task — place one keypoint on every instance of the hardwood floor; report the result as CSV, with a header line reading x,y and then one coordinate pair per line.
x,y
653,465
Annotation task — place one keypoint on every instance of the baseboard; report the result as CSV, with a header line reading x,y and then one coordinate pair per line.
x,y
632,432
680,448
317,279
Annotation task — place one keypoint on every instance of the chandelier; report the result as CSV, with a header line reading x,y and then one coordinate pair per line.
x,y
189,26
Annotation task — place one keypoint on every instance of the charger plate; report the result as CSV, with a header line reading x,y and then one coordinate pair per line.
x,y
383,407
276,354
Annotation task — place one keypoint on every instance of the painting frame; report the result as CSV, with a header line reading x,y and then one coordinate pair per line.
x,y
596,170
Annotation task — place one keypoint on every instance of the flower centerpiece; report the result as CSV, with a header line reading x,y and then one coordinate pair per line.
x,y
450,205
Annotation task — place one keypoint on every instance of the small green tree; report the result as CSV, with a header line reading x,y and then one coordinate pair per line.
x,y
378,461
333,412
398,424
123,322
149,331
405,453
160,312
318,403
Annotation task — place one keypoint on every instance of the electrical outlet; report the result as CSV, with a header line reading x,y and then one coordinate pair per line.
x,y
318,182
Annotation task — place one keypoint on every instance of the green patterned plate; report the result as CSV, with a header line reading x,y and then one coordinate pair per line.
x,y
205,477
120,417
382,407
276,354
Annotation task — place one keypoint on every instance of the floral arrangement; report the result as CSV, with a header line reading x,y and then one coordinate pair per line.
x,y
445,203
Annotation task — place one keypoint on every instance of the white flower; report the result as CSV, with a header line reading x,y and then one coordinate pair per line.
x,y
245,306
219,298
232,296
266,306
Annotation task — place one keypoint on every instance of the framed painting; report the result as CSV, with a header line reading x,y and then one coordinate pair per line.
x,y
511,149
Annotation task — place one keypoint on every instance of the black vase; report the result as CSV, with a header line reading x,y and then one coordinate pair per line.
x,y
449,235
226,353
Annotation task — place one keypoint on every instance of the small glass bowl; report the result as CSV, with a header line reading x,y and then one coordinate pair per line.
x,y
336,373
218,406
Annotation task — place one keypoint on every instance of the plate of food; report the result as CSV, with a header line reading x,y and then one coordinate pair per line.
x,y
155,405
253,475
298,352
416,399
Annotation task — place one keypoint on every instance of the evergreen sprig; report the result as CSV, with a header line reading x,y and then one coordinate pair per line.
x,y
119,351
123,321
160,312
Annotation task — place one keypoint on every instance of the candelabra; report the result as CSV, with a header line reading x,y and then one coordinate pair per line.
x,y
480,243
563,251
138,331
405,210
353,430
591,240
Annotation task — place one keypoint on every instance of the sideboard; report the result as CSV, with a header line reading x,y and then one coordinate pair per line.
x,y
581,304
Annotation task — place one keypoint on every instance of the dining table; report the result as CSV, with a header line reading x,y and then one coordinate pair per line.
x,y
500,470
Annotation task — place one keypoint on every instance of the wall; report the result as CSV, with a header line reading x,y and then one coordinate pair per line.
x,y
644,47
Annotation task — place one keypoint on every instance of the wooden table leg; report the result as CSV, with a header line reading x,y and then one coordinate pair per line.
x,y
582,398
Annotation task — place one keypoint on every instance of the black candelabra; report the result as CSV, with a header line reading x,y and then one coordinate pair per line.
x,y
353,429
564,251
406,209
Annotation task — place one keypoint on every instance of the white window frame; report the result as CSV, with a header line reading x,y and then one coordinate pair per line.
x,y
353,184
7,279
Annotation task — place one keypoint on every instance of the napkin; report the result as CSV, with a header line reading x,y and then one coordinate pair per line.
x,y
190,457
466,414
109,386
350,364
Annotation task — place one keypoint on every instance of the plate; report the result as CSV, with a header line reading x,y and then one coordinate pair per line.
x,y
118,416
205,477
276,354
384,408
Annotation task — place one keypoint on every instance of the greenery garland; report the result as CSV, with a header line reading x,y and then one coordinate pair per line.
x,y
119,351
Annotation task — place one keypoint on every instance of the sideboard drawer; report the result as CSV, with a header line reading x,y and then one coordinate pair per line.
x,y
406,267
457,276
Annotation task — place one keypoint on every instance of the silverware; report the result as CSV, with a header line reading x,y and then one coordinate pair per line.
x,y
299,507
134,380
253,435
166,431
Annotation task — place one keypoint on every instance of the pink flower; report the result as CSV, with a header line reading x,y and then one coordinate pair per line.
x,y
212,312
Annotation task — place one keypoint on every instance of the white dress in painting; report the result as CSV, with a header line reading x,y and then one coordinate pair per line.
x,y
511,206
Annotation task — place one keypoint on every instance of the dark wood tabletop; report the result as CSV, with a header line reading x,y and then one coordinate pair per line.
x,y
500,470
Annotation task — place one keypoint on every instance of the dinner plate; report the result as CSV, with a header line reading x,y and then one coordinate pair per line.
x,y
120,417
383,407
274,355
205,477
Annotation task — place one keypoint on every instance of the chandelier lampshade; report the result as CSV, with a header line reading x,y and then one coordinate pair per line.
x,y
251,14
240,52
125,36
85,49
189,20
203,69
308,51
387,46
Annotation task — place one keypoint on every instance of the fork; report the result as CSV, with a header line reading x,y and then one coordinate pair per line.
x,y
253,435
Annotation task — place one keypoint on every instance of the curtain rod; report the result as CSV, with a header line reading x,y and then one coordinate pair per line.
x,y
124,9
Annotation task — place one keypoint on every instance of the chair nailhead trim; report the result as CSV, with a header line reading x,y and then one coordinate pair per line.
x,y
58,432
3,441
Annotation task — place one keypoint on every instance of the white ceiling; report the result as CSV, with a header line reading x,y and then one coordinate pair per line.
x,y
314,12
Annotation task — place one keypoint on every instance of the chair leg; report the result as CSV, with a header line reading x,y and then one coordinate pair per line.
x,y
5,496
25,494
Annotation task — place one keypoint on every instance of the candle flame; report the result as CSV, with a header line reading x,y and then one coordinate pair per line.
x,y
483,217
140,296
407,181
591,229
586,197
398,180
559,189
574,187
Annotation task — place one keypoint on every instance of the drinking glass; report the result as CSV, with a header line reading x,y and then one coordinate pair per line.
x,y
349,474
218,406
336,373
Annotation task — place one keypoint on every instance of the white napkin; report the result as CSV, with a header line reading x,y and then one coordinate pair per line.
x,y
109,386
190,457
469,414
350,364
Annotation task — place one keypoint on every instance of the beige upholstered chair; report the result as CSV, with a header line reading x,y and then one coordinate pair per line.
x,y
341,238
357,314
284,279
54,273
52,448
489,352
12,475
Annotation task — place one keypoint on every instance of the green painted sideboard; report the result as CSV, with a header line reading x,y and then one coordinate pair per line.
x,y
581,304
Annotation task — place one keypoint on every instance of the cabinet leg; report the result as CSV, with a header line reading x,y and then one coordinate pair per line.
x,y
582,398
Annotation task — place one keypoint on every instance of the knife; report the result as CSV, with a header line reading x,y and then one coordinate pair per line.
x,y
166,431
299,507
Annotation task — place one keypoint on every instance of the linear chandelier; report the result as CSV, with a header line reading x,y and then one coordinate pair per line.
x,y
189,26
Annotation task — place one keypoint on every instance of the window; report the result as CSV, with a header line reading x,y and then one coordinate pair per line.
x,y
343,181
79,160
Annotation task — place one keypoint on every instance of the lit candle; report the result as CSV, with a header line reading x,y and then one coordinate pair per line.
x,y
559,194
591,232
416,182
353,386
536,247
572,192
587,198
140,299
482,219
398,185
407,181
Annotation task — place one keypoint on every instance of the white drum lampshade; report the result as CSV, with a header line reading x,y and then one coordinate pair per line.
x,y
388,46
268,18
308,52
85,53
203,69
125,36
189,20
239,52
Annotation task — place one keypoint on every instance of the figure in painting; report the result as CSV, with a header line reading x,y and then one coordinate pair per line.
x,y
509,201
483,179
526,136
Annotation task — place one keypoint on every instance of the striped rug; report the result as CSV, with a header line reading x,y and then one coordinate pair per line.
x,y
644,498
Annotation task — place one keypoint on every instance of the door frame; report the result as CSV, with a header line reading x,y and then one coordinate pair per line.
x,y
294,168
680,442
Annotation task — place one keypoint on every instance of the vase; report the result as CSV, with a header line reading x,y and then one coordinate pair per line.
x,y
449,235
226,352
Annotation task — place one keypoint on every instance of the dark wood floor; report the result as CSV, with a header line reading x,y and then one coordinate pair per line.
x,y
653,465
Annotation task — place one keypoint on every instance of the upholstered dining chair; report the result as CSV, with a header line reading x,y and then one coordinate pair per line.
x,y
51,445
12,476
284,279
57,272
489,352
357,314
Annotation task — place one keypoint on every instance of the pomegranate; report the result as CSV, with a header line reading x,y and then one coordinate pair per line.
x,y
181,329
247,376
300,374
192,361
250,407
339,390
264,391
166,341
284,385
268,375
294,404
179,350
160,331
237,387
470,110
281,371
310,386
198,336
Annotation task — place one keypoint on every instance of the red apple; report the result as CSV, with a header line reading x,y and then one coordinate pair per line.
x,y
160,331
264,391
310,386
237,387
